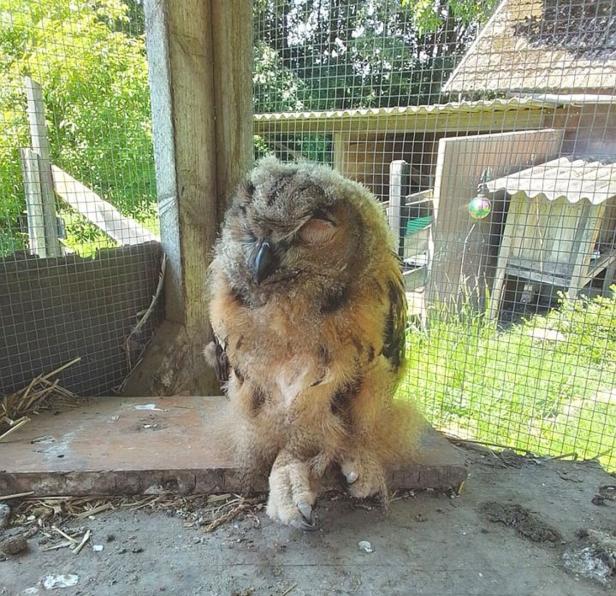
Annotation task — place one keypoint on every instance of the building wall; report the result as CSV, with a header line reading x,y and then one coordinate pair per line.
x,y
590,129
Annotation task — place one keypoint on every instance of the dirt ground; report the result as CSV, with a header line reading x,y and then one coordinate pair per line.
x,y
520,526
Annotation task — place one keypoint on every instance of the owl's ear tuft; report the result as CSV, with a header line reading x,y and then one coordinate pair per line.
x,y
244,192
317,231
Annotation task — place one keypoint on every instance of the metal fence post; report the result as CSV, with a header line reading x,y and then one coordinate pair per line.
x,y
399,171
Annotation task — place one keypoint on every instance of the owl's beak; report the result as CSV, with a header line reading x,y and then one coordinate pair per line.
x,y
263,262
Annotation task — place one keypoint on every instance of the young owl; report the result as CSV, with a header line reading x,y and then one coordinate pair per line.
x,y
308,311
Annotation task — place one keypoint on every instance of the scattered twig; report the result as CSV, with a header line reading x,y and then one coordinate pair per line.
x,y
461,441
85,538
573,454
95,510
57,546
599,455
16,496
289,590
15,426
16,408
144,319
64,534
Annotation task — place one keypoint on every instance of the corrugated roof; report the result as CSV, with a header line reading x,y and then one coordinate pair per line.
x,y
542,45
325,120
573,179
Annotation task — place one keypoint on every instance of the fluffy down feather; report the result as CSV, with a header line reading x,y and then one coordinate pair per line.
x,y
309,313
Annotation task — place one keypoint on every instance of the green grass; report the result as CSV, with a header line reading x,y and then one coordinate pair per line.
x,y
514,387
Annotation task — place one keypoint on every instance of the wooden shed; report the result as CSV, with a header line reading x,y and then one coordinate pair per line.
x,y
557,46
561,225
366,141
556,51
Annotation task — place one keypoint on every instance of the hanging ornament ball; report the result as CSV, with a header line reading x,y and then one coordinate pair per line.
x,y
479,207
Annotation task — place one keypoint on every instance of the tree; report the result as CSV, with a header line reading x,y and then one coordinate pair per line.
x,y
347,53
93,72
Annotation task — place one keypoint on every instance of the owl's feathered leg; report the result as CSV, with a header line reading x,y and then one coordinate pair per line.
x,y
291,496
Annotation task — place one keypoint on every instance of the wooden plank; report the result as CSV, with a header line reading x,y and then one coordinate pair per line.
x,y
183,432
180,56
99,212
34,202
463,248
202,146
40,146
232,30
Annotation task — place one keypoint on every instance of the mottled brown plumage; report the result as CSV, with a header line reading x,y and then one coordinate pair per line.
x,y
309,313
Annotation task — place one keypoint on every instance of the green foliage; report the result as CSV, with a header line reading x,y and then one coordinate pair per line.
x,y
341,54
345,54
431,15
94,78
544,385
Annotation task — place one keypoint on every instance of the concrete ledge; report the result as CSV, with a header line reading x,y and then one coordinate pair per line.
x,y
116,446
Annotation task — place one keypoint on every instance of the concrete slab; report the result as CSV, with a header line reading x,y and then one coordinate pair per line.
x,y
119,445
428,544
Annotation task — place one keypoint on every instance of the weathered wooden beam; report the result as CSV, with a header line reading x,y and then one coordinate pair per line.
x,y
191,453
40,146
232,32
180,58
200,56
99,212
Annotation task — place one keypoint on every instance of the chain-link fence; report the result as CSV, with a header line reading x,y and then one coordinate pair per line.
x,y
486,130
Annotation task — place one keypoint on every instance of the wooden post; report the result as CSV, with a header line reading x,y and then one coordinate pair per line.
x,y
34,202
200,70
232,30
40,146
399,171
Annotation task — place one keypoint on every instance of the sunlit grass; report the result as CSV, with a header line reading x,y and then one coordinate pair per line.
x,y
547,385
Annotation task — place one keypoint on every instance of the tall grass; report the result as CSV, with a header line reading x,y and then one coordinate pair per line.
x,y
546,385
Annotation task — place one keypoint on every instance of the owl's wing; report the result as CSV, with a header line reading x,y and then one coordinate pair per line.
x,y
217,358
395,326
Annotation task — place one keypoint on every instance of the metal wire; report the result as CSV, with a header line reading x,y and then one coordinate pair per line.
x,y
513,335
513,323
79,260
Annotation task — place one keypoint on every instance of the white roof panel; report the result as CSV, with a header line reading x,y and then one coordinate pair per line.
x,y
568,177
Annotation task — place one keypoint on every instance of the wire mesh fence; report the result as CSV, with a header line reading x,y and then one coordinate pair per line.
x,y
78,220
486,130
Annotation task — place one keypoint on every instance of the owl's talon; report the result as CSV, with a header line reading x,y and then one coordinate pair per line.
x,y
365,476
306,510
291,498
351,477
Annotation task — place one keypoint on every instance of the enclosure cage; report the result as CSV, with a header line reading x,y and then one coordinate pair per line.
x,y
484,129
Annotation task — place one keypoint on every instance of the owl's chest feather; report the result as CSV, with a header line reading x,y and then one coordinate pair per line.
x,y
286,355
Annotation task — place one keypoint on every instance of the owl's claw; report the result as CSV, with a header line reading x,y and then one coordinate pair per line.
x,y
351,476
291,498
306,510
365,476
